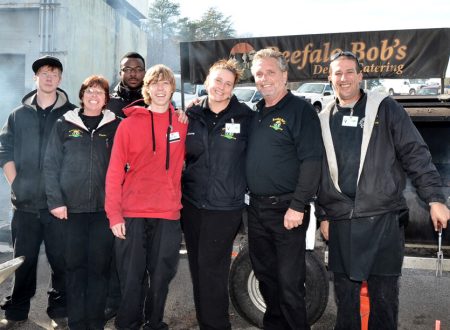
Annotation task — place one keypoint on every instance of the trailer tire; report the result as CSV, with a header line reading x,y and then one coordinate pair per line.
x,y
248,301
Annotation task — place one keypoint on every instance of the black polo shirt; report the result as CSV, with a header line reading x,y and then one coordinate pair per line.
x,y
282,138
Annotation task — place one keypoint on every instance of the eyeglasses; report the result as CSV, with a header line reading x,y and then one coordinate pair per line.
x,y
128,69
47,74
94,91
345,53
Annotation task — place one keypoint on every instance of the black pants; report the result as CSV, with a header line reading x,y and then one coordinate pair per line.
x,y
278,260
28,231
88,254
150,252
209,237
114,295
383,297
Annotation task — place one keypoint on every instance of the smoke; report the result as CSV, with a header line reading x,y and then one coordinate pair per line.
x,y
12,83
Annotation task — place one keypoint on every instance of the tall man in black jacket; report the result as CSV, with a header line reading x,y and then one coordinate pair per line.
x,y
23,141
128,90
370,143
283,169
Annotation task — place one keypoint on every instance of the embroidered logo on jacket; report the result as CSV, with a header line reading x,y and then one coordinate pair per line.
x,y
76,133
229,136
278,123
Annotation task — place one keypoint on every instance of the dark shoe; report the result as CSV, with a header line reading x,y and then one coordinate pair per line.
x,y
10,324
110,313
160,326
59,324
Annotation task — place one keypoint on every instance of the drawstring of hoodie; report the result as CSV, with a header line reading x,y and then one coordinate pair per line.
x,y
169,129
153,133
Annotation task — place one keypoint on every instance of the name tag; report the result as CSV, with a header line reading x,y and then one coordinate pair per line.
x,y
350,121
232,128
247,199
175,136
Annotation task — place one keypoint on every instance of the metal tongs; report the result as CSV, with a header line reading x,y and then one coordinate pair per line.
x,y
440,255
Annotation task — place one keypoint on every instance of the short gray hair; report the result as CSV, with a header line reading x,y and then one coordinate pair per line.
x,y
271,53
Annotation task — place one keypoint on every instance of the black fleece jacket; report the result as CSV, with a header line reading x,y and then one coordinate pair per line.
x,y
76,162
22,142
214,177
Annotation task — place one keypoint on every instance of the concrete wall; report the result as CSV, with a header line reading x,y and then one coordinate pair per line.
x,y
96,40
88,36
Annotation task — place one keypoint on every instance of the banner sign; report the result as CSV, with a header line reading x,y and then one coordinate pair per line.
x,y
422,53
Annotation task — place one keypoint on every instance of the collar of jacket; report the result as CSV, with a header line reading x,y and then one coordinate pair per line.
x,y
198,111
372,105
126,93
281,103
73,117
62,99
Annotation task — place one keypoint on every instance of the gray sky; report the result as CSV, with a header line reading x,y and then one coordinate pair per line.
x,y
283,17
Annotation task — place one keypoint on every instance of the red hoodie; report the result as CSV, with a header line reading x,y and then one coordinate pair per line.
x,y
137,182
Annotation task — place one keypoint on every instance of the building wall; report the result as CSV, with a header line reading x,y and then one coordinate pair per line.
x,y
88,36
140,5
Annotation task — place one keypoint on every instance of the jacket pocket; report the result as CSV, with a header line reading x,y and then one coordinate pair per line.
x,y
23,189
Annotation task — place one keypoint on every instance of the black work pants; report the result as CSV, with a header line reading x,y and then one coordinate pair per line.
x,y
209,237
28,231
150,252
114,296
278,260
383,297
88,254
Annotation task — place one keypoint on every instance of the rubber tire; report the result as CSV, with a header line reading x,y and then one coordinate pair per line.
x,y
242,280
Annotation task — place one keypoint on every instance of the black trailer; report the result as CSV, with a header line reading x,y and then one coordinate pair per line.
x,y
422,53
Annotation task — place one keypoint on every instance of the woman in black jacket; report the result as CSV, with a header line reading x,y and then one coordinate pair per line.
x,y
75,166
213,190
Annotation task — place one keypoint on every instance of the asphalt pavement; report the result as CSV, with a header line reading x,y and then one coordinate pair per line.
x,y
423,300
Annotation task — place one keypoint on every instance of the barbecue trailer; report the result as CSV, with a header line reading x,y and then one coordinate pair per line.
x,y
402,54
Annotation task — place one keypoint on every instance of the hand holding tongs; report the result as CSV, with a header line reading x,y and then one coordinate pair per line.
x,y
440,255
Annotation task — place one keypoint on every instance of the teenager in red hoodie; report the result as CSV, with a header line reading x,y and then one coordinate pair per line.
x,y
143,201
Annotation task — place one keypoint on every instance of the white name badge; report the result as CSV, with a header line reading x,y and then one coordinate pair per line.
x,y
350,121
247,199
175,136
232,128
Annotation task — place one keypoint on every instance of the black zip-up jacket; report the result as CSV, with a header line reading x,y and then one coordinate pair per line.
x,y
214,177
122,97
391,149
22,143
76,163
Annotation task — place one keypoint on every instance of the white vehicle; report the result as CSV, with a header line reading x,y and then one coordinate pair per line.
x,y
191,91
248,95
400,86
320,93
